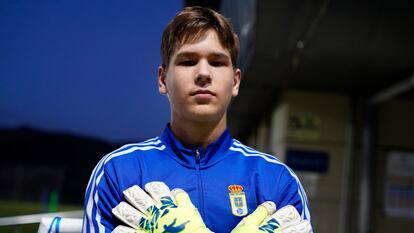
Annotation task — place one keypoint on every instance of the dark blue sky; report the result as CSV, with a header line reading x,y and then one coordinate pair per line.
x,y
85,67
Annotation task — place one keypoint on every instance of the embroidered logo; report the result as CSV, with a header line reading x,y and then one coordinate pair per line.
x,y
237,200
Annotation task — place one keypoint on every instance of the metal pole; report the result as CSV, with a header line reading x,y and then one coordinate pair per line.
x,y
365,194
347,169
393,91
36,218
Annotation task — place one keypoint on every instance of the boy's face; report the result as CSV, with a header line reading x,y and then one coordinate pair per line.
x,y
200,80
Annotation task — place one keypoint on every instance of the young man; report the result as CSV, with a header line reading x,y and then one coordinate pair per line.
x,y
225,180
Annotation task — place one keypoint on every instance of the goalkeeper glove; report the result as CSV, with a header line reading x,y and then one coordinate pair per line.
x,y
265,220
162,211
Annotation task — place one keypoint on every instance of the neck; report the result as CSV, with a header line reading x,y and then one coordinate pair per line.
x,y
198,133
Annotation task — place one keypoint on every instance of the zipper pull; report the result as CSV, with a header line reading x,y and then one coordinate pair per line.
x,y
197,155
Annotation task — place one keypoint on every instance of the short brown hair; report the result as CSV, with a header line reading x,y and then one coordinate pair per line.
x,y
190,24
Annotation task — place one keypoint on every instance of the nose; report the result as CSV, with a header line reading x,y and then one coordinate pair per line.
x,y
203,75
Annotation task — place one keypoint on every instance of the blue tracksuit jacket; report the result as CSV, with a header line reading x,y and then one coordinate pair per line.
x,y
205,174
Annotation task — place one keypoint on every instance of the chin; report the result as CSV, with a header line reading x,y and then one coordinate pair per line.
x,y
206,114
204,118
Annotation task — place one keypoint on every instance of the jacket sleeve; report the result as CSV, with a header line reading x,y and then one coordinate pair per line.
x,y
102,194
291,192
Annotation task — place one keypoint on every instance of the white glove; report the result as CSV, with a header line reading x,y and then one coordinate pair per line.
x,y
265,220
160,211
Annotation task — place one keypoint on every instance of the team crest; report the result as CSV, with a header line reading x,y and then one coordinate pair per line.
x,y
237,200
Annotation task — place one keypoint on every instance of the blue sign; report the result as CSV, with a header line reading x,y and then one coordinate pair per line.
x,y
302,160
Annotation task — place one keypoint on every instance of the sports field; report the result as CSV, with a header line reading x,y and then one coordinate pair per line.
x,y
14,208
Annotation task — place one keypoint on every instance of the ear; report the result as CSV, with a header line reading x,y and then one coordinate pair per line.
x,y
162,87
236,82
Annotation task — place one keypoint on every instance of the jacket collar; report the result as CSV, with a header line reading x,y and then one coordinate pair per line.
x,y
186,156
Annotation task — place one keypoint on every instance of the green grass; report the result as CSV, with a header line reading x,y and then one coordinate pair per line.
x,y
14,208
25,228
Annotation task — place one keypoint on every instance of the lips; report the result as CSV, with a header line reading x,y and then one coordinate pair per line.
x,y
202,92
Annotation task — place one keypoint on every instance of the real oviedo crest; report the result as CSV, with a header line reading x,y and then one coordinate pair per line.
x,y
237,200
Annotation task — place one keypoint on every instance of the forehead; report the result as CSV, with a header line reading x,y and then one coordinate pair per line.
x,y
207,43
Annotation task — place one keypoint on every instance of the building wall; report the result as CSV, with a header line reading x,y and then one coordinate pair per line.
x,y
329,114
320,122
395,134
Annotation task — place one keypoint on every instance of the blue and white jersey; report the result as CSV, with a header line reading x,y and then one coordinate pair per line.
x,y
226,181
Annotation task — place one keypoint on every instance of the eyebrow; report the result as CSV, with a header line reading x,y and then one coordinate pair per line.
x,y
194,54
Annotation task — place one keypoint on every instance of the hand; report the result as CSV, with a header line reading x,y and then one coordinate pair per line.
x,y
265,220
160,211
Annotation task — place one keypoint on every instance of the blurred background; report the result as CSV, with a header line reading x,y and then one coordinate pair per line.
x,y
327,86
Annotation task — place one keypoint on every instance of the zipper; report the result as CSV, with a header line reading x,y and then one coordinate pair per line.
x,y
197,157
199,183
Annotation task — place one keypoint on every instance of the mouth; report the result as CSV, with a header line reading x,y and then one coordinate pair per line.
x,y
203,93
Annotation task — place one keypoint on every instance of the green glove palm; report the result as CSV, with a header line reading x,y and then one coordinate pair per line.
x,y
160,211
265,220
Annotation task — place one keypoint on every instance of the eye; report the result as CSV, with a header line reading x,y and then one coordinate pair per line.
x,y
217,63
187,63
